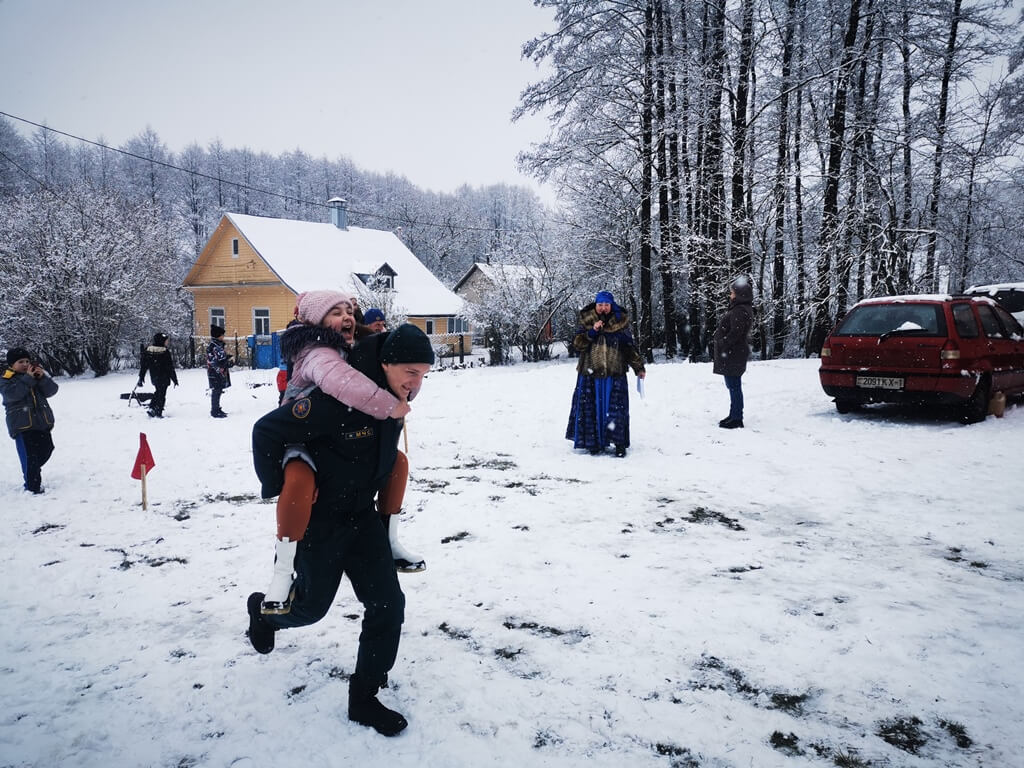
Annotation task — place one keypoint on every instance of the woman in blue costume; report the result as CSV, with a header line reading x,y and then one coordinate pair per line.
x,y
600,404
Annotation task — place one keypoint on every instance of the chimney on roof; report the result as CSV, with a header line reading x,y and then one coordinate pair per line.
x,y
339,212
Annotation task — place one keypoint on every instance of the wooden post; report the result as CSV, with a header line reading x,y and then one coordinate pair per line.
x,y
144,486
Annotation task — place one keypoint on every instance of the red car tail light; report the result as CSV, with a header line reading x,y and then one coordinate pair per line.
x,y
950,354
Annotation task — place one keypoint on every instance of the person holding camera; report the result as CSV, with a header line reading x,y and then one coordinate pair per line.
x,y
217,375
25,387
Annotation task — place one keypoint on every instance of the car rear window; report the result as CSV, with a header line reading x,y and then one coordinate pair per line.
x,y
877,319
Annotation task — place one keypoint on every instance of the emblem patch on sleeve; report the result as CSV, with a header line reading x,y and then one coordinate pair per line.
x,y
301,408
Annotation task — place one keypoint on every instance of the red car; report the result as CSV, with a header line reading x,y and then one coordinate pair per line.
x,y
946,350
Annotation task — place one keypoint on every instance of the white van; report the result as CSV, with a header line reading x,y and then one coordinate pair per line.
x,y
1009,295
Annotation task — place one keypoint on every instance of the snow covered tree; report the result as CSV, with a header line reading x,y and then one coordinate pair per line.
x,y
85,276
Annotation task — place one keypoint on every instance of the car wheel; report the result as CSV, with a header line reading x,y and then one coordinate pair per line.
x,y
847,406
976,408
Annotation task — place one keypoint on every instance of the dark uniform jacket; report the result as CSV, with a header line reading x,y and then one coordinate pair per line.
x,y
160,364
732,336
217,363
24,398
354,453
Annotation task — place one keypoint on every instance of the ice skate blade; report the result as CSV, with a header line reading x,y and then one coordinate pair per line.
x,y
405,566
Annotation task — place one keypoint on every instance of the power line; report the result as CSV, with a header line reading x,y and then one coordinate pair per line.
x,y
239,185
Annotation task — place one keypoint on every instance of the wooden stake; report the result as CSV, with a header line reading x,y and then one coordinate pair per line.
x,y
405,434
144,486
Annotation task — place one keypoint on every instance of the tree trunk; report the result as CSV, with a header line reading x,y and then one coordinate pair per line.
x,y
822,320
930,278
664,206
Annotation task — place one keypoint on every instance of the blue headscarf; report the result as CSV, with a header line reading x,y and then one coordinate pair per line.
x,y
604,297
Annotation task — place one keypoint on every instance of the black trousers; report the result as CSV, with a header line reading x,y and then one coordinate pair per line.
x,y
34,450
355,545
215,394
159,397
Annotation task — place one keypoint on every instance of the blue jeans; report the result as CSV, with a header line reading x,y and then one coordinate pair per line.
x,y
735,397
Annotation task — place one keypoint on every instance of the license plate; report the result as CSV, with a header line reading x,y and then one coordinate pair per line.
x,y
880,382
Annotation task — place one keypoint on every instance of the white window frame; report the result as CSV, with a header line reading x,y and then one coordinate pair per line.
x,y
234,248
256,318
218,314
429,324
458,324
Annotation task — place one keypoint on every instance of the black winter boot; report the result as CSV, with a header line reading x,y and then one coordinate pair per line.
x,y
260,633
363,708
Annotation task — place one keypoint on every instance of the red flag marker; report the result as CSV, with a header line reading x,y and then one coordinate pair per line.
x,y
143,463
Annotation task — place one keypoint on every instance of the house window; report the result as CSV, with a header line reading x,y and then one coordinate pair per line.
x,y
234,248
429,327
261,321
384,281
217,317
458,325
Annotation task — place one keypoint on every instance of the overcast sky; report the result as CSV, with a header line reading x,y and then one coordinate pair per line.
x,y
423,88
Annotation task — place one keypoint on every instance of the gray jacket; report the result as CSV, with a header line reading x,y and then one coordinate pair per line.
x,y
24,398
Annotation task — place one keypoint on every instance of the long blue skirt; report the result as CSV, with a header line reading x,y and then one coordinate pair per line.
x,y
599,416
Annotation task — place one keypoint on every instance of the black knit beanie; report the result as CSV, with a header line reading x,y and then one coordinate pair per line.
x,y
14,354
407,344
216,331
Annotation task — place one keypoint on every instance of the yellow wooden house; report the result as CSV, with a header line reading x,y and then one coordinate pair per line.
x,y
252,269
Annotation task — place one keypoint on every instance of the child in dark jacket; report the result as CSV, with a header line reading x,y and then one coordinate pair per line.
x,y
157,359
24,387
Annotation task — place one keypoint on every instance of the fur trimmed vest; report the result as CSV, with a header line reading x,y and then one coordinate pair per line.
x,y
609,351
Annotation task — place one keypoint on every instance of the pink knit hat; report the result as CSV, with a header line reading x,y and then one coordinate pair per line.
x,y
312,307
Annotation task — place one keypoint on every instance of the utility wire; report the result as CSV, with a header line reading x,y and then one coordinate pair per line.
x,y
41,184
239,185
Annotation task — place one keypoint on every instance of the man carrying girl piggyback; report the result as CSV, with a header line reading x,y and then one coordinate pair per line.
x,y
319,349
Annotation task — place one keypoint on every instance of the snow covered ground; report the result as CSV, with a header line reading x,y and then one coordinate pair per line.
x,y
782,595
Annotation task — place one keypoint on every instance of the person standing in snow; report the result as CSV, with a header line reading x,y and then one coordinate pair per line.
x,y
599,416
156,358
345,536
217,363
732,347
24,387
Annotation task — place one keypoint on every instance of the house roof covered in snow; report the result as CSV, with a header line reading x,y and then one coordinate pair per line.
x,y
504,273
310,256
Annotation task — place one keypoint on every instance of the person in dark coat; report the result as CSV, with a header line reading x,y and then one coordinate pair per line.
x,y
732,347
600,404
218,361
354,454
24,387
157,359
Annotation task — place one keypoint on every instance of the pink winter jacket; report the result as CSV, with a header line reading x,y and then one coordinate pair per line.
x,y
327,368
